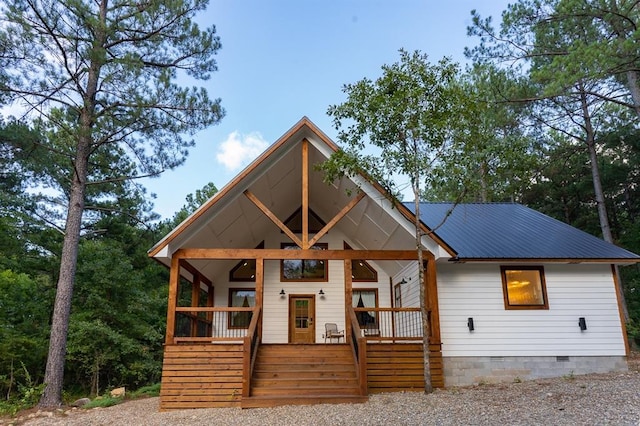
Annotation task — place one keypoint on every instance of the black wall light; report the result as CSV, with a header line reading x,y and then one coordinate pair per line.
x,y
470,324
582,323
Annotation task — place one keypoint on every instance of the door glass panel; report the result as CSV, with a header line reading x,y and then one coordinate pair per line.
x,y
302,314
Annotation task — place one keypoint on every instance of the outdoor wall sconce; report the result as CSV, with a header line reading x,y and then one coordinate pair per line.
x,y
582,323
470,324
321,293
405,280
282,294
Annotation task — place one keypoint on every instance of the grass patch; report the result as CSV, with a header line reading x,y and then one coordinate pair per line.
x,y
108,401
105,401
145,392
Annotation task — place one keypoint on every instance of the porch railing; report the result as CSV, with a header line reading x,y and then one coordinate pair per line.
x,y
389,324
250,350
359,347
213,324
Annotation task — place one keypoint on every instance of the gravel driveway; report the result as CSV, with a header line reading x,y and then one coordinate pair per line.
x,y
596,399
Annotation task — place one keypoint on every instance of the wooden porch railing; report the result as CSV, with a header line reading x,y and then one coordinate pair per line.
x,y
359,347
251,343
389,324
212,324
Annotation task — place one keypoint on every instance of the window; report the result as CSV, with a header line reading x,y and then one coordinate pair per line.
x,y
294,222
361,271
303,270
366,298
245,270
241,298
524,287
397,296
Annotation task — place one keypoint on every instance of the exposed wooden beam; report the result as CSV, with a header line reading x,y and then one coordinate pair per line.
x,y
203,253
305,194
174,277
264,209
346,209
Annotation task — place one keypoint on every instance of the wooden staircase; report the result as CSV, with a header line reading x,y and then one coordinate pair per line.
x,y
303,374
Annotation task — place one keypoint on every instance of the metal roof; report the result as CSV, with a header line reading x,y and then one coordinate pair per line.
x,y
513,231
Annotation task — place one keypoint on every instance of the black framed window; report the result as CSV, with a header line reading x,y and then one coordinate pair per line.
x,y
241,298
304,270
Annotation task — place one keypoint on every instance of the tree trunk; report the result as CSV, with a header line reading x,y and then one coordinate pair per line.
x,y
54,373
599,193
634,88
428,388
595,171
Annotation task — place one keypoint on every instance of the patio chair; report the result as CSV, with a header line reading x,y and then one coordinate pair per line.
x,y
331,332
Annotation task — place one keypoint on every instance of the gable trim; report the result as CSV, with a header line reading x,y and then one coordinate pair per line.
x,y
304,122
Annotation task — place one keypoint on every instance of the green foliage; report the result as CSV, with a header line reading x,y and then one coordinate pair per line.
x,y
572,40
102,402
505,153
406,119
102,83
24,321
193,202
145,391
117,322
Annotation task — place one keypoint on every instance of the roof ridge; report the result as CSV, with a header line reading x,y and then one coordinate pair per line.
x,y
469,203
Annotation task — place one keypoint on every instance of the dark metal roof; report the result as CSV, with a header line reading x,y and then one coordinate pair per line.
x,y
513,231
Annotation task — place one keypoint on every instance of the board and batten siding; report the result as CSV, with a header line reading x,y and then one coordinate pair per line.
x,y
330,308
574,291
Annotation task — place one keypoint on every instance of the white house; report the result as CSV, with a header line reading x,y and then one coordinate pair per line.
x,y
265,270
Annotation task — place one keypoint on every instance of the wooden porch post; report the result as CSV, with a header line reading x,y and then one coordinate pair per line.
x,y
195,302
431,296
435,342
260,288
348,295
174,277
210,302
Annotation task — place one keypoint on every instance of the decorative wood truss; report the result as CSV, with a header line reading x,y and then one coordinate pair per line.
x,y
305,242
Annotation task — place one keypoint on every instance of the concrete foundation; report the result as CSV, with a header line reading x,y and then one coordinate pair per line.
x,y
464,371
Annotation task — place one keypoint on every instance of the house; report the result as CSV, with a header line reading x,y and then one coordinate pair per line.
x,y
264,270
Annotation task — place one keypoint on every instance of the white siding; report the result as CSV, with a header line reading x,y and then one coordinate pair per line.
x,y
410,292
329,308
574,291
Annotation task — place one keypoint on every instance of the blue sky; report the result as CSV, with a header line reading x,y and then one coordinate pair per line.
x,y
282,60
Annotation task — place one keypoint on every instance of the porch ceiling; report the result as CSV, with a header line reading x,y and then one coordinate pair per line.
x,y
231,220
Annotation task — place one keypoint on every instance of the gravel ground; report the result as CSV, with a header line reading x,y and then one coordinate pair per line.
x,y
596,399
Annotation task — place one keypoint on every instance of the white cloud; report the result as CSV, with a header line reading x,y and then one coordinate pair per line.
x,y
238,150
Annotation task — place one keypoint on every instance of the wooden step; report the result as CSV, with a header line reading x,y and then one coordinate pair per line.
x,y
268,401
295,374
303,374
305,391
294,382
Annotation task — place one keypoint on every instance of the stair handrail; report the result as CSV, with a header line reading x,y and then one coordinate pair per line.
x,y
250,350
358,345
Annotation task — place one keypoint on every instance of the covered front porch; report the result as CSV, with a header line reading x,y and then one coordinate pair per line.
x,y
219,356
274,257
